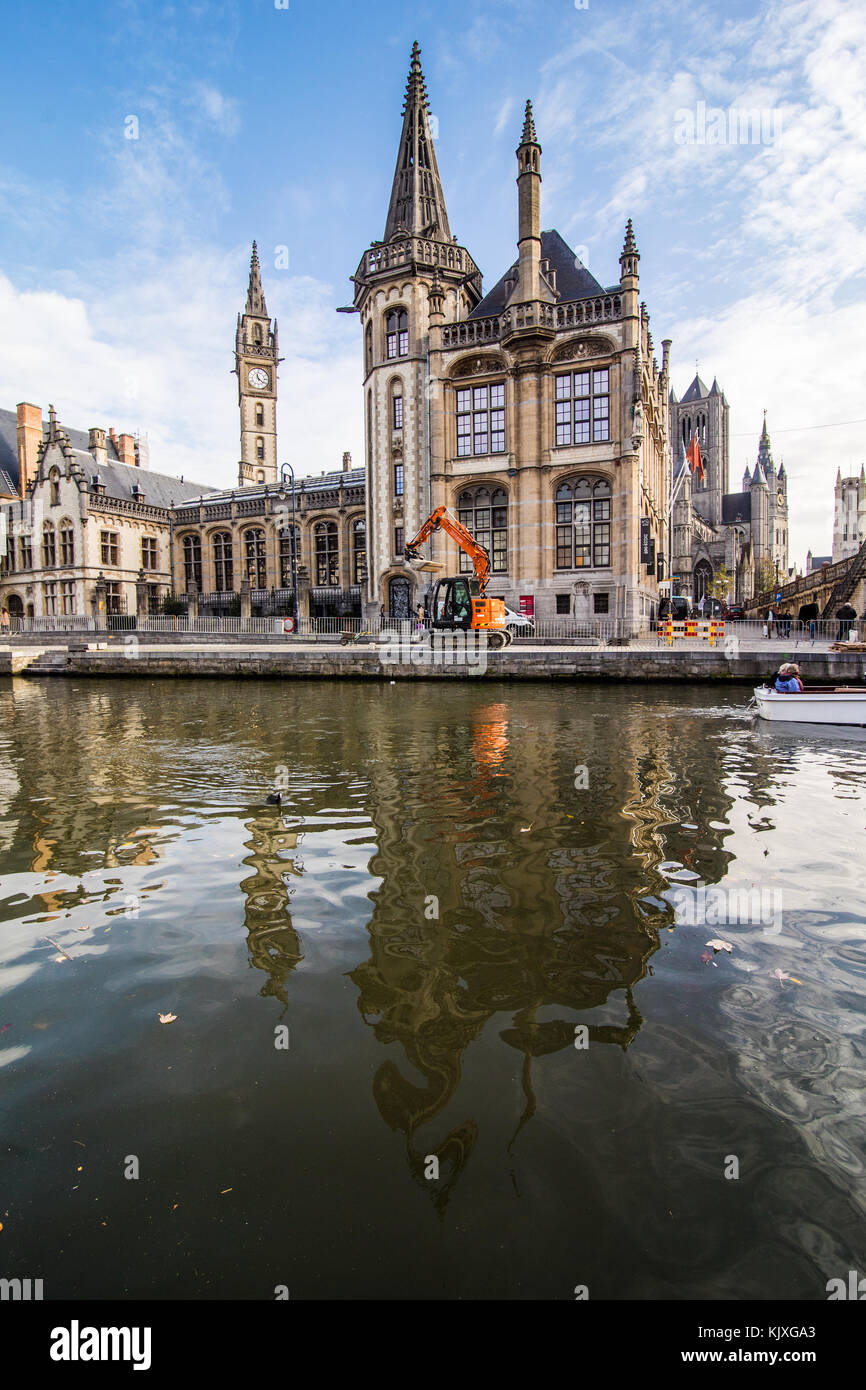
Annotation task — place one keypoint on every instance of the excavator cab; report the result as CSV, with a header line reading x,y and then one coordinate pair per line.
x,y
452,602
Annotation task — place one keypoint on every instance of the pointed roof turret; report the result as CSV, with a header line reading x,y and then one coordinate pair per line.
x,y
417,201
630,255
714,389
696,392
747,479
255,294
528,137
765,453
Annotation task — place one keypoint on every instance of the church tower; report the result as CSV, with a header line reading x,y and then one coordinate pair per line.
x,y
256,359
407,287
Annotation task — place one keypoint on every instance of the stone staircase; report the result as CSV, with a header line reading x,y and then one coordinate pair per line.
x,y
843,590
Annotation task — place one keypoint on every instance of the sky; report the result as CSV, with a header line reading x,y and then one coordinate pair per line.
x,y
124,261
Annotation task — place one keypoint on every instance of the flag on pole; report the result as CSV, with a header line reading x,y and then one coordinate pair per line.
x,y
695,458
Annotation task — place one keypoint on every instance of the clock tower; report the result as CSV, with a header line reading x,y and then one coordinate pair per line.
x,y
256,359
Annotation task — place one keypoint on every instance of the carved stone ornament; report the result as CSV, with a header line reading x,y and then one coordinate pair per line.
x,y
397,447
478,366
583,347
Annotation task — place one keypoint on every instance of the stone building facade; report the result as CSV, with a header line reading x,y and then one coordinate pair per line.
x,y
537,412
745,532
849,514
90,530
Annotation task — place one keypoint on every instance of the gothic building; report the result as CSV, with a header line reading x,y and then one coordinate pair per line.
x,y
849,514
745,532
538,411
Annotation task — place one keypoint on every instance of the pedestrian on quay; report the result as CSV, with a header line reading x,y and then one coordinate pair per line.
x,y
4,622
770,622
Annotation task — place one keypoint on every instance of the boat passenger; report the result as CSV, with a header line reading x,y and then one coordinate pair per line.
x,y
788,680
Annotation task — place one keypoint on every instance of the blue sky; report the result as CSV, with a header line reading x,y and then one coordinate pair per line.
x,y
123,262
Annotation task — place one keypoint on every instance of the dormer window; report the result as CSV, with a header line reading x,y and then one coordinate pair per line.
x,y
397,333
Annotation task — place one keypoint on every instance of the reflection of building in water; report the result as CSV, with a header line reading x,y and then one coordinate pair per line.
x,y
527,923
273,943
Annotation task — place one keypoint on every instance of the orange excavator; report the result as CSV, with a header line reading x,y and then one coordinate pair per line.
x,y
460,603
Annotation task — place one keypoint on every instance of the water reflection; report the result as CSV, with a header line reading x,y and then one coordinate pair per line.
x,y
481,906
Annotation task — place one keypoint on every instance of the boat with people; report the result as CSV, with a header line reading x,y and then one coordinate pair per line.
x,y
814,704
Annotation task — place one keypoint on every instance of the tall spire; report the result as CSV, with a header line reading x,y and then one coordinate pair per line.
x,y
417,202
255,294
765,453
529,136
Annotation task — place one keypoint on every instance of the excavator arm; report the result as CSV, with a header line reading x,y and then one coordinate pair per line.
x,y
441,519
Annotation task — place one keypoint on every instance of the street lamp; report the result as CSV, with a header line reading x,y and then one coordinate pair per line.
x,y
287,468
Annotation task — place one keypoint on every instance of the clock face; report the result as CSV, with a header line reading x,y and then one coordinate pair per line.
x,y
258,378
781,497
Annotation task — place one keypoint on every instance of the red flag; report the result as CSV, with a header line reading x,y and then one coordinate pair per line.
x,y
695,458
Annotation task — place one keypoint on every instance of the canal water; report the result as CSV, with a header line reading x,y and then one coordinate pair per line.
x,y
447,1024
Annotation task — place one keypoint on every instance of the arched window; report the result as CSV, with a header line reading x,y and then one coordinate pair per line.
x,y
583,524
223,561
369,432
257,332
397,406
368,340
702,579
397,333
485,514
327,553
260,414
67,542
254,553
359,551
192,561
55,487
287,550
260,447
49,546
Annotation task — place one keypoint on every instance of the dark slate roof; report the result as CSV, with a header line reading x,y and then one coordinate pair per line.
x,y
736,504
573,280
157,489
696,392
9,449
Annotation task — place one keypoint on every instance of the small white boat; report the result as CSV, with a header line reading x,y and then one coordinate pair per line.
x,y
817,704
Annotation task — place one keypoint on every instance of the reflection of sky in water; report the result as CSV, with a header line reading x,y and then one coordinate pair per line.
x,y
433,911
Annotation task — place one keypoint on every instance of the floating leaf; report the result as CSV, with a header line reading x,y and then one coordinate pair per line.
x,y
167,1018
719,945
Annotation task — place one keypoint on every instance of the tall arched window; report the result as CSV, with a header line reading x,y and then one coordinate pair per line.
x,y
397,405
359,551
287,550
583,524
254,554
369,432
703,578
223,561
67,542
260,447
192,561
260,414
368,340
55,487
397,333
327,553
257,332
49,546
485,514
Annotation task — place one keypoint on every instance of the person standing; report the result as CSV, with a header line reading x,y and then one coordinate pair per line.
x,y
770,622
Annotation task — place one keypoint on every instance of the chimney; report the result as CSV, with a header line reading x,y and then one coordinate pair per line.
x,y
29,439
347,461
126,449
113,439
96,444
142,451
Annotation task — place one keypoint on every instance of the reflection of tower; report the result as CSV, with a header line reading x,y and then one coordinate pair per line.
x,y
523,925
273,943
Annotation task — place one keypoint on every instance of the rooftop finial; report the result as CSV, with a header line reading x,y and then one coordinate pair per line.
x,y
417,202
629,245
529,137
255,294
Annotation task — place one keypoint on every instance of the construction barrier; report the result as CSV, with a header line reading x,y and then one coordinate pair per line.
x,y
711,630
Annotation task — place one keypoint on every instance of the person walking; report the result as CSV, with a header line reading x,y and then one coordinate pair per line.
x,y
770,622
